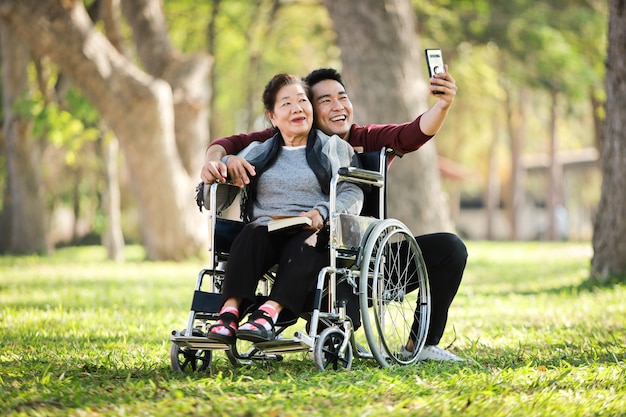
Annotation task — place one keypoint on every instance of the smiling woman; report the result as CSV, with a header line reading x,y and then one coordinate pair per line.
x,y
292,173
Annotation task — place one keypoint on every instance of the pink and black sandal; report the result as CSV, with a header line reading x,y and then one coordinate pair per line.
x,y
229,322
260,333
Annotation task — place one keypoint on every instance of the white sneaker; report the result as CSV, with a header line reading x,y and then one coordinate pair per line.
x,y
405,354
435,353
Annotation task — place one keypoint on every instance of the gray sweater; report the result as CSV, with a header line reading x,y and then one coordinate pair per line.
x,y
289,185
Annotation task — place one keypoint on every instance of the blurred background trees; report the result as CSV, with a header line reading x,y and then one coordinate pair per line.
x,y
517,158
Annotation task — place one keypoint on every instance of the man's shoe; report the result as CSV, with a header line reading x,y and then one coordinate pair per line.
x,y
435,353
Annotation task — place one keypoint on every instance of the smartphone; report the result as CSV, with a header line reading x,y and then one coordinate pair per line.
x,y
434,61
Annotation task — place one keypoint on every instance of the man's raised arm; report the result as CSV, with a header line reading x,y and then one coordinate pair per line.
x,y
432,120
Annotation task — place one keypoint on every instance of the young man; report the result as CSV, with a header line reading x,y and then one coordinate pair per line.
x,y
445,254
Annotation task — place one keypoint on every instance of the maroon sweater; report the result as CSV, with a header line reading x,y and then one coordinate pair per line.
x,y
402,138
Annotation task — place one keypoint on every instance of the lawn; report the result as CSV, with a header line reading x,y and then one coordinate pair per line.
x,y
81,336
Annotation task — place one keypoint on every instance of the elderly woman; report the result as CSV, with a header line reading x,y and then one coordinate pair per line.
x,y
292,178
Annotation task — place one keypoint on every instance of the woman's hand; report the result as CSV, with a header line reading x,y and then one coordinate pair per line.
x,y
239,170
317,221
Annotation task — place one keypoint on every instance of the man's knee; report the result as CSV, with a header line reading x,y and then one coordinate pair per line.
x,y
458,248
444,244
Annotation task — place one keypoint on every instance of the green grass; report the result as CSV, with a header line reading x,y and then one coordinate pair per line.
x,y
81,336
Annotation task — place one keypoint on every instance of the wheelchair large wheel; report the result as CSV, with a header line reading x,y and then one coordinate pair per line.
x,y
327,353
394,294
189,361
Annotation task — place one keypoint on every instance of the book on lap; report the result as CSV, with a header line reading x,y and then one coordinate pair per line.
x,y
285,223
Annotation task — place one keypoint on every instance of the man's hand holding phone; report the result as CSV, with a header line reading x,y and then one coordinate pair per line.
x,y
434,61
442,84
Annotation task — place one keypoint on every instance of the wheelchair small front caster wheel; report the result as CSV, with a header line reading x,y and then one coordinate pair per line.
x,y
327,352
189,361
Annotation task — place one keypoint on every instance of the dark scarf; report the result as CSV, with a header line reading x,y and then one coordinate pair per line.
x,y
316,159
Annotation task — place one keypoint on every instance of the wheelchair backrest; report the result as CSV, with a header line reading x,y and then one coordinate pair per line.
x,y
375,161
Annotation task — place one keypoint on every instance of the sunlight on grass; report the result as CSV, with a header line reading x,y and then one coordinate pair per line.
x,y
85,336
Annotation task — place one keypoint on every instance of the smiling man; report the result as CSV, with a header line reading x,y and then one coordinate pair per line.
x,y
445,254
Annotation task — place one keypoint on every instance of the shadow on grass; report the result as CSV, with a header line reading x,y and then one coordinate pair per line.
x,y
586,286
554,355
593,284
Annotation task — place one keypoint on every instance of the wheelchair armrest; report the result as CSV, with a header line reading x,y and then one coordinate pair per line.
x,y
360,174
222,194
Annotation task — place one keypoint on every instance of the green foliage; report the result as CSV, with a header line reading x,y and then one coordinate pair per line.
x,y
251,45
68,129
561,44
187,20
84,336
65,129
505,49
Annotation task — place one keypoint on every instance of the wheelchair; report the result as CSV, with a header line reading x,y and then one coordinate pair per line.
x,y
377,258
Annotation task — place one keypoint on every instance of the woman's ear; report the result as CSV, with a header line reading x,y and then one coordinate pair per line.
x,y
270,117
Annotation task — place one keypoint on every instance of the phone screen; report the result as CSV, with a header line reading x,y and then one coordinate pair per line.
x,y
434,60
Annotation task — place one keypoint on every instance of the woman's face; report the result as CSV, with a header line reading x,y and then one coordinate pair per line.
x,y
293,112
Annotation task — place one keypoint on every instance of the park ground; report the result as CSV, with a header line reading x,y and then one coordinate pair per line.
x,y
82,336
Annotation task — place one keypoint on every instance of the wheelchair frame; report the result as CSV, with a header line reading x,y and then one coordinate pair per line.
x,y
378,257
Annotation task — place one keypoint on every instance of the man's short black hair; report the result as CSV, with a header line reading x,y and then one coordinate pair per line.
x,y
323,74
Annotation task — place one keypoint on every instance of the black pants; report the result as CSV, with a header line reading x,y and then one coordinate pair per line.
x,y
445,256
254,251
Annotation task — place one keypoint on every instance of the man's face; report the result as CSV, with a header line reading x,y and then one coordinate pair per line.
x,y
333,109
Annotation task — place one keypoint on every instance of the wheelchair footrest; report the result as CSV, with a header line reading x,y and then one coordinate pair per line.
x,y
300,342
198,342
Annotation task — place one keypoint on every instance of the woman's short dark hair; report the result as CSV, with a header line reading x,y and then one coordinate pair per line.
x,y
277,82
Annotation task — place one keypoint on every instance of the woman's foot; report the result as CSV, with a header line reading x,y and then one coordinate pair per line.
x,y
260,325
225,328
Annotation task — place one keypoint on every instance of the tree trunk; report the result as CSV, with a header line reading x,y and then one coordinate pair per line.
x,y
112,239
554,197
609,233
255,34
139,108
187,75
492,192
23,227
516,124
598,111
384,74
211,49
